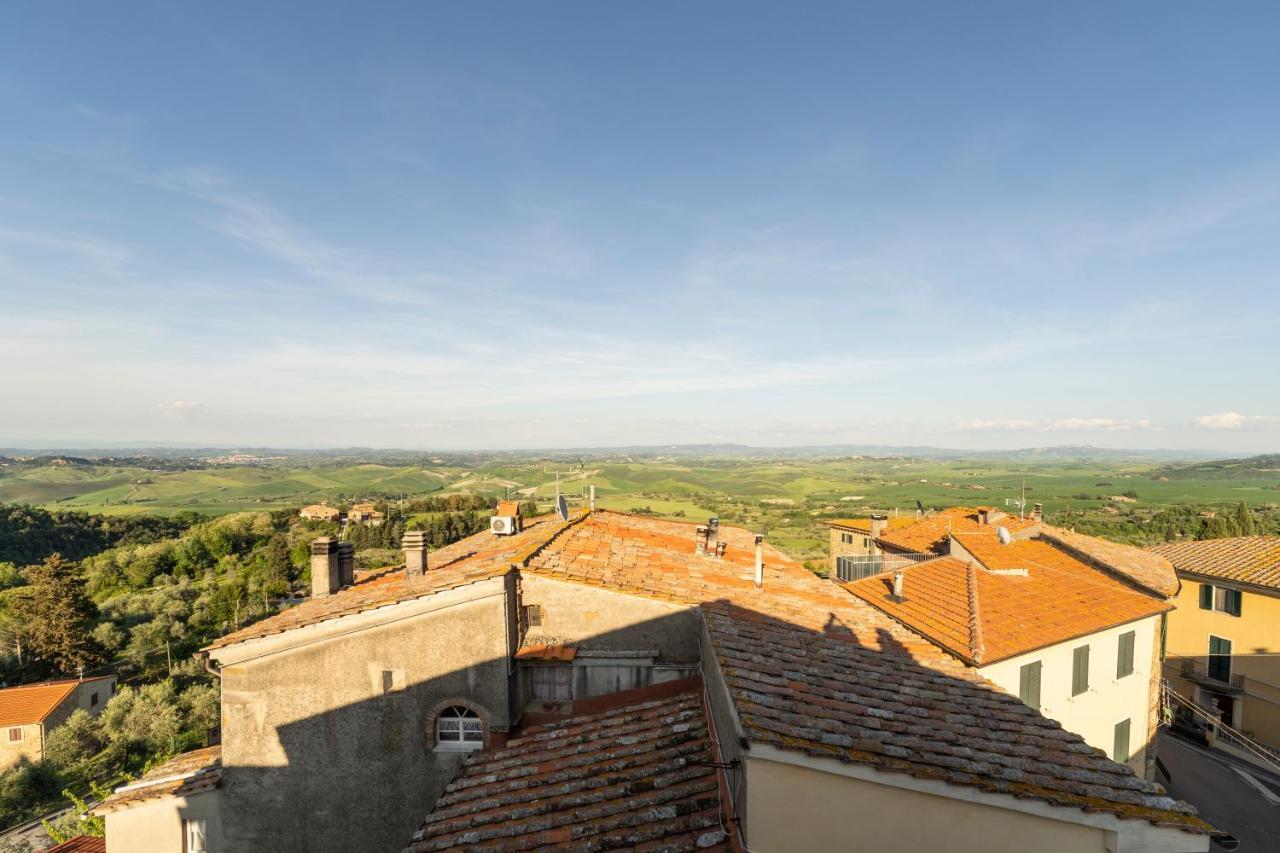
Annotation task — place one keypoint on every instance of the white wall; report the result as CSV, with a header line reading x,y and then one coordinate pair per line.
x,y
1093,715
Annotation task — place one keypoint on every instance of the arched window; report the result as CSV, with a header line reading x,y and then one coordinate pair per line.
x,y
459,728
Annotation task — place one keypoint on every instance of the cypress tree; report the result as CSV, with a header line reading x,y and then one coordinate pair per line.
x,y
1244,520
59,617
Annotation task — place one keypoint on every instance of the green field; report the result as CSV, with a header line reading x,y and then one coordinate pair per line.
x,y
787,499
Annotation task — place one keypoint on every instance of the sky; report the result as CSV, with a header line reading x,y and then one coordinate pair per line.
x,y
481,225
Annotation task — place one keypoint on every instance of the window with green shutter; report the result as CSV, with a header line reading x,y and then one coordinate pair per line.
x,y
1080,671
1120,751
1029,684
1206,596
1124,659
1233,601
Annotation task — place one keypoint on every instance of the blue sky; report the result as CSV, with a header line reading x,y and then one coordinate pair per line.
x,y
542,224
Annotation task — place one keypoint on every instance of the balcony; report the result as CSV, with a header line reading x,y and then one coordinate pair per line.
x,y
856,568
1216,675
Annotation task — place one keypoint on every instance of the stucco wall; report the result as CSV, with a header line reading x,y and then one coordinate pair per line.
x,y
796,809
599,620
156,825
30,747
1093,715
1255,651
329,747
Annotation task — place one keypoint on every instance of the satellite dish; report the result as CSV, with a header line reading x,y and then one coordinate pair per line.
x,y
562,507
1002,533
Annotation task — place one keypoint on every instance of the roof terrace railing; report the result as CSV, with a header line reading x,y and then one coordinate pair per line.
x,y
1218,671
858,567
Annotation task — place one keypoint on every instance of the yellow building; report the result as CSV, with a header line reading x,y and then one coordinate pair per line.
x,y
1223,641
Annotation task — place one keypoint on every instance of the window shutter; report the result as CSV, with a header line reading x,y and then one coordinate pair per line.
x,y
1206,597
1029,684
1234,597
1124,660
1120,751
1080,671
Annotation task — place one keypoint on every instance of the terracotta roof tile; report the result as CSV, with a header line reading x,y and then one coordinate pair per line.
x,y
180,776
1149,570
930,534
31,703
1017,598
80,844
1247,559
635,776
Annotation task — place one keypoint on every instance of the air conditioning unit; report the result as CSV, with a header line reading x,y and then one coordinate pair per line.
x,y
502,525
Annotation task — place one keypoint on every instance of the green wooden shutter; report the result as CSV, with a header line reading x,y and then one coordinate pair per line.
x,y
1234,597
1029,684
1124,659
1206,597
1080,671
1120,751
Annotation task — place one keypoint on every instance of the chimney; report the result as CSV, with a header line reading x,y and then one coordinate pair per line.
x,y
700,539
713,536
415,548
325,575
879,521
759,561
720,548
346,564
1037,512
897,586
593,497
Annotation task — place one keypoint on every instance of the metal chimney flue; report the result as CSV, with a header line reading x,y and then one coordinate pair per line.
x,y
759,561
897,585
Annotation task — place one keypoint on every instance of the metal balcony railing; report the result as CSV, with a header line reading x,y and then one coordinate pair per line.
x,y
1214,672
856,568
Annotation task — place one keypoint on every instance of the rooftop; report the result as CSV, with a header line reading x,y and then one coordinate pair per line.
x,y
922,535
1146,569
1247,559
1013,599
32,703
637,775
180,776
80,844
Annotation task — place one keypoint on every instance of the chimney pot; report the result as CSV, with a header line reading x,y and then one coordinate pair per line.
x,y
700,539
720,548
325,572
879,521
415,548
897,585
346,564
593,497
759,560
1037,512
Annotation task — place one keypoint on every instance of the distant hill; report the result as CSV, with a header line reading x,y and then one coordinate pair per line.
x,y
1266,466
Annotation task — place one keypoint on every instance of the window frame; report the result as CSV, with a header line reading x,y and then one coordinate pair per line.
x,y
1030,677
458,728
22,734
1079,670
1221,599
1210,656
1124,662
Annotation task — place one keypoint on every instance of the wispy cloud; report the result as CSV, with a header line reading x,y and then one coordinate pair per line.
x,y
1056,425
180,409
1235,420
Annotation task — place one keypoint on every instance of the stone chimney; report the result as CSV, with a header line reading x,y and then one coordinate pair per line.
x,y
1037,512
759,561
325,573
721,547
700,539
879,521
414,543
713,536
989,515
897,586
346,564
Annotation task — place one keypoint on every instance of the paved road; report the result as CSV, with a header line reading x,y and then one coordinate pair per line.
x,y
1211,782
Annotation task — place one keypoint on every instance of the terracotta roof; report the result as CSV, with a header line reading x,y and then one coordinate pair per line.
x,y
80,844
180,776
31,703
559,654
863,525
1148,570
510,508
467,561
928,534
1248,559
982,615
638,776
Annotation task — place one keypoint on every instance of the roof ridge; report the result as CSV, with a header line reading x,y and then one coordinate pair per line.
x,y
976,647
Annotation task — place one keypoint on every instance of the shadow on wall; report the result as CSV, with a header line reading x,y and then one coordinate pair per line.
x,y
362,775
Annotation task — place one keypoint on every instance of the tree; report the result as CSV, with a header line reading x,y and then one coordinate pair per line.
x,y
73,741
60,617
1244,520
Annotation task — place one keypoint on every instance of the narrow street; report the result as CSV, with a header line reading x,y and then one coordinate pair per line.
x,y
1234,796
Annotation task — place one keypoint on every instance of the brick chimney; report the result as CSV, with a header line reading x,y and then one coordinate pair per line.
x,y
721,547
346,564
1037,512
759,561
989,515
414,543
700,539
879,521
325,574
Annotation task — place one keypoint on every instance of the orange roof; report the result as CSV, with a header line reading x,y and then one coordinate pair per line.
x,y
1247,559
863,525
180,776
1148,570
930,533
31,703
556,653
1014,599
80,844
508,508
641,776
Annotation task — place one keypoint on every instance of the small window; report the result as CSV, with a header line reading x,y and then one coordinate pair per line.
x,y
866,541
1120,750
1124,658
1029,684
1206,597
15,734
1080,670
459,728
93,699
1221,599
1219,659
195,836
533,615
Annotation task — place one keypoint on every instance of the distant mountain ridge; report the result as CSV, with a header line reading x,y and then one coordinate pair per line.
x,y
1266,466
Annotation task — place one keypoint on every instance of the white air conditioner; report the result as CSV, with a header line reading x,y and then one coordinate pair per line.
x,y
502,525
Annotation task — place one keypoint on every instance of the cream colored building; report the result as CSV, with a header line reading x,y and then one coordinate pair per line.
x,y
619,681
28,713
173,807
1223,643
